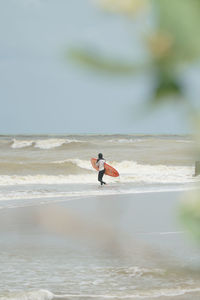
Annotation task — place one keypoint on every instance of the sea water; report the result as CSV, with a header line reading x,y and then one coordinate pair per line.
x,y
41,171
34,168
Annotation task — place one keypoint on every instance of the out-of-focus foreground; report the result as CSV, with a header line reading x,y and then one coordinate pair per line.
x,y
170,39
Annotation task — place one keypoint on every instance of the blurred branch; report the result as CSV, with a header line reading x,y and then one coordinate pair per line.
x,y
98,62
190,214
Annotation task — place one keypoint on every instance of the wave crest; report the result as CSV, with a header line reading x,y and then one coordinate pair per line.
x,y
33,295
45,144
131,171
154,293
81,171
65,167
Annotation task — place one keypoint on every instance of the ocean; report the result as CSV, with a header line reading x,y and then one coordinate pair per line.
x,y
43,167
63,236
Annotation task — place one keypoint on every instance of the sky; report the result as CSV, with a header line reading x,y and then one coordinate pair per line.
x,y
43,92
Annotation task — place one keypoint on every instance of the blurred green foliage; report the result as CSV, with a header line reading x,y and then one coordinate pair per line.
x,y
180,19
100,63
173,45
190,214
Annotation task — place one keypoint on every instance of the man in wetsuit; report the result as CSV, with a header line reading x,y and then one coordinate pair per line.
x,y
100,164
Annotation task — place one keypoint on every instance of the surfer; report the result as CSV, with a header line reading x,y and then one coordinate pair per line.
x,y
100,164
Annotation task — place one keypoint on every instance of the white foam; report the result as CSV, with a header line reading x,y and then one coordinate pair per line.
x,y
139,294
49,143
73,179
46,179
161,233
17,144
84,164
186,141
44,144
149,294
133,172
34,295
130,172
94,191
126,141
54,143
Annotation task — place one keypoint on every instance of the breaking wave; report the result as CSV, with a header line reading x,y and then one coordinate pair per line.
x,y
81,171
45,144
149,294
66,167
33,295
154,173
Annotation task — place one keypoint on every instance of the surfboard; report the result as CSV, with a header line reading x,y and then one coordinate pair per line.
x,y
110,171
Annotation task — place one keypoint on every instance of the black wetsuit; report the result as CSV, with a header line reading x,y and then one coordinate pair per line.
x,y
101,172
100,176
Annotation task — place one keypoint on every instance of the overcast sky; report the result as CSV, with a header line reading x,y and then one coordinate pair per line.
x,y
41,92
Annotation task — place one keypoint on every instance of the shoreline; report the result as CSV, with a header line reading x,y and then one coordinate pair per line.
x,y
150,216
96,192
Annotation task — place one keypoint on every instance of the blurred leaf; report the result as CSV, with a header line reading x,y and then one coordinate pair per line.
x,y
175,40
100,63
167,86
190,214
124,7
181,19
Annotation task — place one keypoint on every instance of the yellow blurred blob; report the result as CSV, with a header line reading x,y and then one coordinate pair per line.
x,y
160,44
128,7
190,212
191,201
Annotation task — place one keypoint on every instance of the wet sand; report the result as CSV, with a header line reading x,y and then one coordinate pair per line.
x,y
140,230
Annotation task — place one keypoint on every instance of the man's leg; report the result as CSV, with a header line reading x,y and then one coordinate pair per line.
x,y
100,176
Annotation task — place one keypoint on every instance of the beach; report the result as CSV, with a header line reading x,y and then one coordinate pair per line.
x,y
62,236
84,83
98,248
